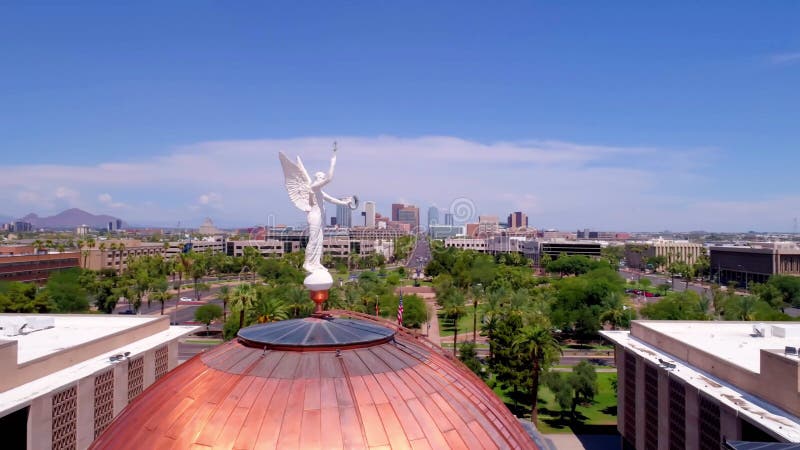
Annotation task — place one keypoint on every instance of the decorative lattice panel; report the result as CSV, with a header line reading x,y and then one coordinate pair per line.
x,y
162,361
103,401
65,418
650,408
708,424
677,415
630,397
135,377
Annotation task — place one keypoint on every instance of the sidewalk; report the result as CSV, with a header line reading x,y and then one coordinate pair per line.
x,y
432,326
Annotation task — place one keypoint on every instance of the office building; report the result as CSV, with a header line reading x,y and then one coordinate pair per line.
x,y
433,216
395,210
23,263
698,385
478,245
638,253
754,263
445,231
21,226
409,214
448,219
603,235
269,247
66,376
82,230
517,220
115,253
369,213
487,225
197,246
554,248
344,216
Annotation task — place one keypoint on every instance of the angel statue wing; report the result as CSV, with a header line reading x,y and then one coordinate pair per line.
x,y
298,183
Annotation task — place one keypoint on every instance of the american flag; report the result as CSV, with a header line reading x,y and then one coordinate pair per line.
x,y
400,311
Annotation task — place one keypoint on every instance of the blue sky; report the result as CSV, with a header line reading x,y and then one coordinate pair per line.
x,y
582,114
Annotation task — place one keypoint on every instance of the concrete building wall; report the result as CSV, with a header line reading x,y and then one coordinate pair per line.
x,y
40,416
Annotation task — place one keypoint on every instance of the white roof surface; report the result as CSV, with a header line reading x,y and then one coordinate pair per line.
x,y
775,419
731,341
13,398
70,331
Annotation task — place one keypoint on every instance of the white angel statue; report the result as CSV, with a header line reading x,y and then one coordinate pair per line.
x,y
307,194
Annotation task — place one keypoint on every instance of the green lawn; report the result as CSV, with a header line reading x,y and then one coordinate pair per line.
x,y
600,416
464,324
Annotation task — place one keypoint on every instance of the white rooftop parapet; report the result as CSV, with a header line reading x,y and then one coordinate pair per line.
x,y
16,325
786,331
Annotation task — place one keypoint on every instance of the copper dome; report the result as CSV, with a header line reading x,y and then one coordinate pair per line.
x,y
401,392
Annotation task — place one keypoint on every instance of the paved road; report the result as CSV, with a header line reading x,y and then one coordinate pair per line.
x,y
420,256
185,311
679,284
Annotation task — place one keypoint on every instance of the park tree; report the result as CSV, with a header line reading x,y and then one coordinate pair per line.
x,y
453,308
686,305
242,299
468,356
569,265
542,350
16,297
65,290
207,314
613,254
415,312
578,387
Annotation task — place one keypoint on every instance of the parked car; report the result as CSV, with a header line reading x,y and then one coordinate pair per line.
x,y
187,299
127,311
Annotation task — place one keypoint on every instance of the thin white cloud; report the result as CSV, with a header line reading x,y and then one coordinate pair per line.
x,y
558,184
785,58
107,200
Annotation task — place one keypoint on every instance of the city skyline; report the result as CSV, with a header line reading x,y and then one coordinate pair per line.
x,y
640,128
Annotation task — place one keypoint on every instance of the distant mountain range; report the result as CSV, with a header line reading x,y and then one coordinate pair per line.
x,y
69,219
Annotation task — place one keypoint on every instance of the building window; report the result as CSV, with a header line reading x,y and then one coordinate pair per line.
x,y
162,361
103,401
708,424
630,398
650,408
677,415
65,418
135,377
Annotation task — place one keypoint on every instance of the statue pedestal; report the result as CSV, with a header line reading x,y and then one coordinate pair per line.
x,y
318,283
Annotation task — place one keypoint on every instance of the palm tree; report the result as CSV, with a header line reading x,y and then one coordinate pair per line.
x,y
224,295
121,248
453,308
270,309
477,294
491,312
113,248
160,294
539,344
243,297
296,299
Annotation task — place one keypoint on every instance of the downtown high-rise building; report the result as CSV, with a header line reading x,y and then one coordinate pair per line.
x,y
344,216
433,216
517,219
369,214
408,214
448,219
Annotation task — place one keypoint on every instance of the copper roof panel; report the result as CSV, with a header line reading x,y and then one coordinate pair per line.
x,y
388,395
